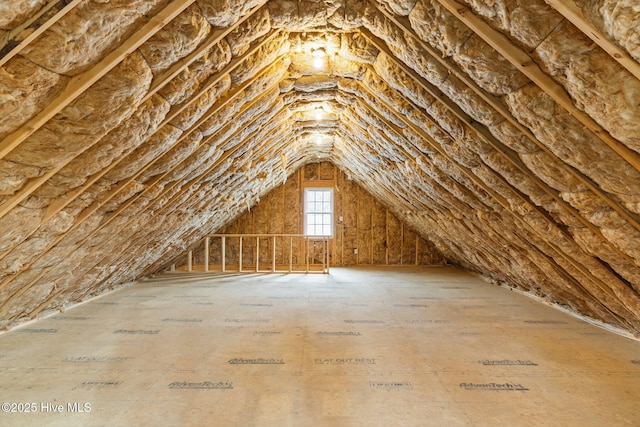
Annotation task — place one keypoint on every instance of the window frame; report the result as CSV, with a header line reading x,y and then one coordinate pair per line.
x,y
306,212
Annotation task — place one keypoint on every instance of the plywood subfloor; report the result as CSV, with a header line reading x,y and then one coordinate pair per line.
x,y
360,347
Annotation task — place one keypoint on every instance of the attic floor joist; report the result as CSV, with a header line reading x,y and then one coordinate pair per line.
x,y
174,125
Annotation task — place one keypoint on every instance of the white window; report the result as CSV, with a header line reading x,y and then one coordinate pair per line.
x,y
318,211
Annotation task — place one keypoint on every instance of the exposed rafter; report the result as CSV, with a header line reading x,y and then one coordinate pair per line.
x,y
88,212
480,166
266,144
36,183
600,286
477,181
505,152
177,109
523,62
123,184
573,13
500,108
82,82
159,178
18,38
215,38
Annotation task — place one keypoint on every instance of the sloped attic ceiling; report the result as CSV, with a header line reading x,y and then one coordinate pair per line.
x,y
497,129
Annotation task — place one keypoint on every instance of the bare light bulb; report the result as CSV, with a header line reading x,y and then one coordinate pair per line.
x,y
318,114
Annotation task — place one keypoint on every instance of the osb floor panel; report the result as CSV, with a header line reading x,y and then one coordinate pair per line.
x,y
360,347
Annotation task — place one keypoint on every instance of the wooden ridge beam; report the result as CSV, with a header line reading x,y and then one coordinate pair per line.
x,y
573,14
78,84
28,31
499,107
523,62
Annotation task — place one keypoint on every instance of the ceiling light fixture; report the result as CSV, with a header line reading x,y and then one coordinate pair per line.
x,y
318,113
318,58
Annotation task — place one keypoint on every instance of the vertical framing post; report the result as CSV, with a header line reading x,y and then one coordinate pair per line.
x,y
417,248
173,268
206,254
240,257
401,243
324,255
190,261
386,236
307,254
224,253
273,260
328,257
257,253
290,254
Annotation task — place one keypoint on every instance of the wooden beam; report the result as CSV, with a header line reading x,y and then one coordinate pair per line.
x,y
158,178
573,13
500,199
61,203
211,168
505,204
523,62
524,198
33,184
168,188
179,108
28,31
78,84
403,24
84,215
490,139
213,39
280,139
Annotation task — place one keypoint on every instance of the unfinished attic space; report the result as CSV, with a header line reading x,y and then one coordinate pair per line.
x,y
174,173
